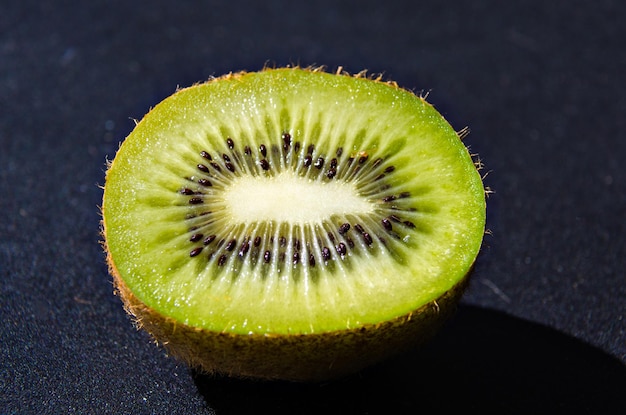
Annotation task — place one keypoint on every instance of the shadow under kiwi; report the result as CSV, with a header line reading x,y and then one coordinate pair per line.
x,y
482,360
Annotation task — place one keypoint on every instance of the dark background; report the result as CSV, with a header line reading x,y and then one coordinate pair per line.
x,y
540,83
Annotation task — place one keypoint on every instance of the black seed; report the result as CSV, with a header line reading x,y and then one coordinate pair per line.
x,y
204,182
186,191
344,228
230,167
203,168
296,147
367,238
195,201
226,158
195,251
404,195
263,150
296,257
311,260
339,152
265,165
216,166
230,143
195,237
380,176
331,173
377,162
282,241
409,224
307,160
394,218
390,198
390,169
359,228
310,149
206,155
341,249
247,151
333,163
331,236
350,160
386,224
244,248
257,241
222,260
363,159
267,256
319,162
281,257
231,244
209,239
350,242
296,244
286,141
326,253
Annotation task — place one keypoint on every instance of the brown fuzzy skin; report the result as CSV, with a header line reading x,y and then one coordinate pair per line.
x,y
309,357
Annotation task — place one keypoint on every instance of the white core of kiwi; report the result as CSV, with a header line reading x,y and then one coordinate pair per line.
x,y
291,198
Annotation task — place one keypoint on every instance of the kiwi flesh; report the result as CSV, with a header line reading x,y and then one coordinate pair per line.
x,y
291,223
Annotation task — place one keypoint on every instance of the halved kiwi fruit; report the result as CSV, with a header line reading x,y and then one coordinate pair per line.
x,y
291,223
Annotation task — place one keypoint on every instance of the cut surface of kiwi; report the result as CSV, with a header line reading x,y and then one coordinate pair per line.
x,y
291,223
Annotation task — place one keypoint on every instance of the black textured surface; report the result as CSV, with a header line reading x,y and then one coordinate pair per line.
x,y
541,84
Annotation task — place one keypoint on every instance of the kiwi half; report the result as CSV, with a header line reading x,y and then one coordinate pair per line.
x,y
291,223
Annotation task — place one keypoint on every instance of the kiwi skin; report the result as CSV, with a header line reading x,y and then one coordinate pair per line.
x,y
295,357
300,358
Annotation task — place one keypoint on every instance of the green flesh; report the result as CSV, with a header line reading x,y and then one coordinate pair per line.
x,y
230,287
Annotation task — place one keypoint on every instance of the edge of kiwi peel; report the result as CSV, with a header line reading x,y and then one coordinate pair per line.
x,y
306,357
294,357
